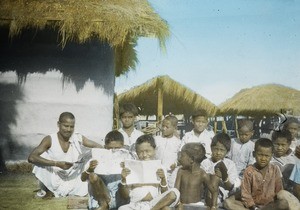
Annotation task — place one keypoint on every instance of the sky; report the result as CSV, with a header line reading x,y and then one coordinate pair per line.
x,y
218,47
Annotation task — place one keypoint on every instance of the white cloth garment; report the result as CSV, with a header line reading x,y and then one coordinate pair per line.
x,y
64,182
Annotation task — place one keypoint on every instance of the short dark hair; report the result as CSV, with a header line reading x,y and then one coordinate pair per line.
x,y
66,115
263,142
199,113
171,118
245,123
145,138
289,121
195,151
114,136
128,107
222,138
282,134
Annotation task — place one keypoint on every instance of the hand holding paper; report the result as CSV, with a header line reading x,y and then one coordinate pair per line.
x,y
109,160
143,172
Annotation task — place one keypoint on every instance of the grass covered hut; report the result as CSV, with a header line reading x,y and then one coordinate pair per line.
x,y
263,100
63,56
162,95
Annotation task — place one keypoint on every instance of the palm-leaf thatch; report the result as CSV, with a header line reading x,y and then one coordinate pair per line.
x,y
177,98
117,22
262,100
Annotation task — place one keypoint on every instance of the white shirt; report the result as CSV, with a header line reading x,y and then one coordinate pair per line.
x,y
204,138
167,150
241,154
209,167
130,140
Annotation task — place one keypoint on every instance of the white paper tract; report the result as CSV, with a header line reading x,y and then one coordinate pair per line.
x,y
143,172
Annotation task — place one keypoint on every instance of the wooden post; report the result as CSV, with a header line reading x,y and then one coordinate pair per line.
x,y
236,127
215,124
224,127
160,100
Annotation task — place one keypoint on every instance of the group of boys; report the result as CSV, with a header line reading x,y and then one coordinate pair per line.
x,y
202,169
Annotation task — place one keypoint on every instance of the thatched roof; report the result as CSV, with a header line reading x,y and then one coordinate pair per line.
x,y
117,22
177,98
262,100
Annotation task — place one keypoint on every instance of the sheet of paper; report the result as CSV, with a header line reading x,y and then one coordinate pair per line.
x,y
142,172
109,160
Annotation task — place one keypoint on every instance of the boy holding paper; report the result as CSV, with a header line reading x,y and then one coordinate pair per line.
x,y
146,196
103,179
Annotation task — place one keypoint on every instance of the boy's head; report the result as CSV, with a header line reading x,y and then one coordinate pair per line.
x,y
192,153
292,124
66,124
128,113
245,130
263,151
114,140
145,147
220,146
169,126
200,120
282,141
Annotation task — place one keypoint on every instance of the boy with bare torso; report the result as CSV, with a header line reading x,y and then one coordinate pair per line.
x,y
191,179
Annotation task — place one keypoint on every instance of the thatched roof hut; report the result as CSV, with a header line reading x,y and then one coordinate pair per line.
x,y
262,100
118,23
162,95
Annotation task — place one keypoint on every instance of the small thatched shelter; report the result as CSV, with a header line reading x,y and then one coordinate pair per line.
x,y
64,56
162,95
263,100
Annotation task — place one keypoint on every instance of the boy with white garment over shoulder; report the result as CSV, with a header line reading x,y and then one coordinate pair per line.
x,y
199,133
59,160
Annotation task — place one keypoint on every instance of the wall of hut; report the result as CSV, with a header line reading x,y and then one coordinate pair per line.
x,y
39,79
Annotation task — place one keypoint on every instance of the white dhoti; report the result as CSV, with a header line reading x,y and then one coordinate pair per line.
x,y
64,182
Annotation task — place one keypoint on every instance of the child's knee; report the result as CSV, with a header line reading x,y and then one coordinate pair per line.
x,y
172,196
228,202
283,204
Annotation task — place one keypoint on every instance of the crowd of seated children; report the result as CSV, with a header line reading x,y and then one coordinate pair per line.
x,y
213,170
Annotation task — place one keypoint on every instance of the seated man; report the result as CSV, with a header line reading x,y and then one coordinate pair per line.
x,y
59,160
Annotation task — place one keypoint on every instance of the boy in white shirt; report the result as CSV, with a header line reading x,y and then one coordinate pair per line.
x,y
168,146
241,151
128,114
199,133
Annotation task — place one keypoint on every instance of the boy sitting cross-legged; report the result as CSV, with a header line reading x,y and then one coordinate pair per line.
x,y
191,179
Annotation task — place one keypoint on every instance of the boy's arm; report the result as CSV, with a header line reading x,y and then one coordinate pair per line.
x,y
278,180
163,181
178,179
124,189
85,175
212,183
89,143
246,187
